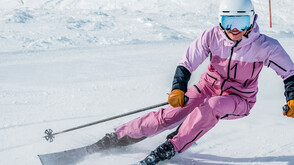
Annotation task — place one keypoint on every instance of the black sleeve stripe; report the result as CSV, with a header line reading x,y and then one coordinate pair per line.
x,y
276,65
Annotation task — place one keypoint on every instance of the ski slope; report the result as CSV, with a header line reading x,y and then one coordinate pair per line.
x,y
65,63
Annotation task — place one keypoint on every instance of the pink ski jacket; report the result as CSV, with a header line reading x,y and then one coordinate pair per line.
x,y
235,66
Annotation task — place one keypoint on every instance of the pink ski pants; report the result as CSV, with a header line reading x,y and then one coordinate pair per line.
x,y
203,111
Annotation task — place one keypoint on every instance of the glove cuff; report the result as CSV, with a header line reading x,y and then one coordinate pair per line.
x,y
181,79
289,88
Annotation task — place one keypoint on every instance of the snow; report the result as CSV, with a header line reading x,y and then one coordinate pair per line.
x,y
65,63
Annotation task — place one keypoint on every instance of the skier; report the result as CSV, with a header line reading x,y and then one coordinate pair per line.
x,y
227,90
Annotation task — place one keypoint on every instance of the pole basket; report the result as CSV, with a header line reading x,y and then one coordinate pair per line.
x,y
49,135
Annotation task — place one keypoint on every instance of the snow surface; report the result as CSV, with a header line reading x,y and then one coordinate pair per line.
x,y
64,63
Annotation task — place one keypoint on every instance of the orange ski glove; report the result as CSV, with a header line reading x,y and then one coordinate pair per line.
x,y
290,110
177,98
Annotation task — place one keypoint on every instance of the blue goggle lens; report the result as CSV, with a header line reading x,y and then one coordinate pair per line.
x,y
239,22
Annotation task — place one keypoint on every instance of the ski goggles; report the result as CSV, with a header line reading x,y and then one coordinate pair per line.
x,y
241,23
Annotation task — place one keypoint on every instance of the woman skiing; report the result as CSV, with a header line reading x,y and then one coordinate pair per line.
x,y
227,90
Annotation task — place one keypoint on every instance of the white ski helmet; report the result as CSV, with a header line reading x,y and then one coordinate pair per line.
x,y
236,8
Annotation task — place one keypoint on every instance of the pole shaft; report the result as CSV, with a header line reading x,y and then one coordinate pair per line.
x,y
112,118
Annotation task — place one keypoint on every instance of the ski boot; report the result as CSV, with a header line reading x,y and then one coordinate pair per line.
x,y
162,152
171,135
110,140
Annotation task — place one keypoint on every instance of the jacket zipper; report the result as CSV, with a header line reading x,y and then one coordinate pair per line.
x,y
229,67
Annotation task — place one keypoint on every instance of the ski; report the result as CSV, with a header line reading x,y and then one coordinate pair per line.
x,y
69,157
140,163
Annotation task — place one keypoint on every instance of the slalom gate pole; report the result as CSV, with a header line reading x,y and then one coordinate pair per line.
x,y
270,13
50,135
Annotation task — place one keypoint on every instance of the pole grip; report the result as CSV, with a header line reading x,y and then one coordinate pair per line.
x,y
286,108
186,99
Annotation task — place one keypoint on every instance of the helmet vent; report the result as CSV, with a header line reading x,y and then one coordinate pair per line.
x,y
226,11
241,11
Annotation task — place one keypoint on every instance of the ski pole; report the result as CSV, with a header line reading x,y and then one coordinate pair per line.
x,y
50,135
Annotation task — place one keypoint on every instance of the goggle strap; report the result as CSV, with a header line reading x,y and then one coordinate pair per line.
x,y
251,27
221,26
248,31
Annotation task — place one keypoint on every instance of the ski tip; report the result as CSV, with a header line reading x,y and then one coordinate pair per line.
x,y
40,158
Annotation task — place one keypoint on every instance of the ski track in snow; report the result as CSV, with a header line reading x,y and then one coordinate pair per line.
x,y
65,63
